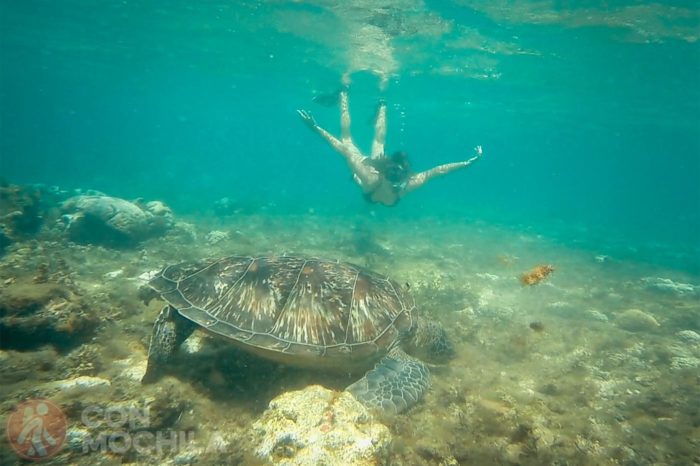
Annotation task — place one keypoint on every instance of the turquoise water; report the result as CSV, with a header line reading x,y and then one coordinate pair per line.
x,y
589,118
588,114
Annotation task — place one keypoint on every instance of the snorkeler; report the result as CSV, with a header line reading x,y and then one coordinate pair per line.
x,y
383,179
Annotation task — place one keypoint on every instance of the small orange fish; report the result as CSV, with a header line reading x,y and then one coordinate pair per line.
x,y
536,275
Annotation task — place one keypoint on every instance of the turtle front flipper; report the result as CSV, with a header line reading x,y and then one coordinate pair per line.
x,y
169,331
395,384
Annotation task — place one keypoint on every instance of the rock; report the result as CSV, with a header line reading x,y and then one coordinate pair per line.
x,y
159,209
216,236
163,218
115,222
132,369
595,314
635,320
667,285
192,345
319,426
680,363
81,382
86,359
76,386
113,274
689,336
146,277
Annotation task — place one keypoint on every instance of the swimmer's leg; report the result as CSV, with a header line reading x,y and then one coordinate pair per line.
x,y
379,132
344,116
328,137
363,173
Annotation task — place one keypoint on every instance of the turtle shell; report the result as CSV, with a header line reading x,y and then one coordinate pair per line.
x,y
300,307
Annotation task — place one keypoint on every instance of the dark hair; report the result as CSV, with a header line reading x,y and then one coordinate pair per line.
x,y
398,168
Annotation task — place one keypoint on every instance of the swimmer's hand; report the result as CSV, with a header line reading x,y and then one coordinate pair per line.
x,y
478,152
307,118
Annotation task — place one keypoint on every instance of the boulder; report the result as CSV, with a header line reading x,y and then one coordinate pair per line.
x,y
320,426
636,320
112,221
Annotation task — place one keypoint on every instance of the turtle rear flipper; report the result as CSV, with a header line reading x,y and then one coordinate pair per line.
x,y
169,332
395,384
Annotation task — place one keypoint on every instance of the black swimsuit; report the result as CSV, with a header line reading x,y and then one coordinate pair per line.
x,y
396,187
397,177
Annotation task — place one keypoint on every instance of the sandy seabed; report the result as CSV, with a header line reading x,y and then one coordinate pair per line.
x,y
597,364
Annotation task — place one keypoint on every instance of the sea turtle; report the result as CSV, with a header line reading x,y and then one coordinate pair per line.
x,y
303,311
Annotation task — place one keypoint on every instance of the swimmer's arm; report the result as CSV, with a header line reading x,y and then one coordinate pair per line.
x,y
419,179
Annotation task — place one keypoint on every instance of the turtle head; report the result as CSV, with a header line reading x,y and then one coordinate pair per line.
x,y
429,340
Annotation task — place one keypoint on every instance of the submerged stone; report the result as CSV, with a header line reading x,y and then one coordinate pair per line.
x,y
689,336
80,382
319,426
115,222
667,285
636,320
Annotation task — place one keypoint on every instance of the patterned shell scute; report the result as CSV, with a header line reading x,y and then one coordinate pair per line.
x,y
288,299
